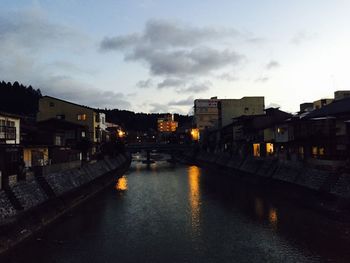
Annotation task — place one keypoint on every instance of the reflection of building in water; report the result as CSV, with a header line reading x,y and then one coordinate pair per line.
x,y
273,218
194,198
122,184
259,208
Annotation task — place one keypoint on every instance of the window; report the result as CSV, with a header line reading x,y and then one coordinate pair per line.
x,y
256,150
58,140
269,148
83,134
81,117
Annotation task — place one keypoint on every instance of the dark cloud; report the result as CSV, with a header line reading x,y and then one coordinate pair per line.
x,y
196,87
164,34
144,84
177,52
68,88
197,61
171,83
159,108
31,29
272,64
227,77
184,102
27,36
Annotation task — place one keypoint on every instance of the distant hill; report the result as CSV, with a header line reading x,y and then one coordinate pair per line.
x,y
140,121
18,99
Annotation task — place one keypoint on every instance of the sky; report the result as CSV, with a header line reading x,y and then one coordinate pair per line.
x,y
159,55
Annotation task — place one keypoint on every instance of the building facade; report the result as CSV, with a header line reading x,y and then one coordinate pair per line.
x,y
216,113
10,149
53,108
167,124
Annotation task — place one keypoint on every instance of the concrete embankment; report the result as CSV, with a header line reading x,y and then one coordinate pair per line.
x,y
29,206
325,190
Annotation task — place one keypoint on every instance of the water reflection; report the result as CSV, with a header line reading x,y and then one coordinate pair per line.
x,y
122,184
194,197
273,217
259,208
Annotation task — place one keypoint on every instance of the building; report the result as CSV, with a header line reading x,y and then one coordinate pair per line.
x,y
341,94
167,124
318,104
231,108
50,107
10,149
216,113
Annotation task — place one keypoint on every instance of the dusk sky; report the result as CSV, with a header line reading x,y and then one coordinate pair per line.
x,y
158,56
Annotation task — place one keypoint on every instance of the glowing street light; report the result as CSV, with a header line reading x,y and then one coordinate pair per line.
x,y
195,134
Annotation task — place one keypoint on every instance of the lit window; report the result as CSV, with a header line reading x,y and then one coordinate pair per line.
x,y
321,151
269,148
81,117
256,149
314,151
83,134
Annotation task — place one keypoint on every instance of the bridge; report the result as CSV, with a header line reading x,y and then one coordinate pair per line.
x,y
158,147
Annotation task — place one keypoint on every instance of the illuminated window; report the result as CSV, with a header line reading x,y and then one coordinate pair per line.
x,y
314,151
256,149
81,117
269,148
321,151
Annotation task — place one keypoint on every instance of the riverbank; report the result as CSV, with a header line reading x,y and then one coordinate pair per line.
x,y
326,191
30,206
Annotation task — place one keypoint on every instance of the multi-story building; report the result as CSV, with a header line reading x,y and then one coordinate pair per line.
x,y
318,104
341,94
50,107
217,113
167,123
10,151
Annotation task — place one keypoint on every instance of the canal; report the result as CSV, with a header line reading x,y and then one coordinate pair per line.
x,y
179,213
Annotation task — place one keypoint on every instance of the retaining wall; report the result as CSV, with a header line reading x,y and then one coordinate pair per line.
x,y
325,181
30,193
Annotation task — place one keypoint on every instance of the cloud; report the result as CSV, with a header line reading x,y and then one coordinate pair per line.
x,y
227,77
31,29
262,79
144,84
273,105
272,64
170,83
196,87
178,52
68,88
184,102
301,37
159,108
29,45
164,34
180,63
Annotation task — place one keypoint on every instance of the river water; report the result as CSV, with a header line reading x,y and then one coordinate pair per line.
x,y
179,213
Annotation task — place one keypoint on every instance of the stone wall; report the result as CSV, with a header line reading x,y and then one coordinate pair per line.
x,y
291,172
6,208
30,194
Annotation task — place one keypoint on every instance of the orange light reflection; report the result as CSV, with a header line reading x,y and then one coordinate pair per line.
x,y
273,217
194,196
122,184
